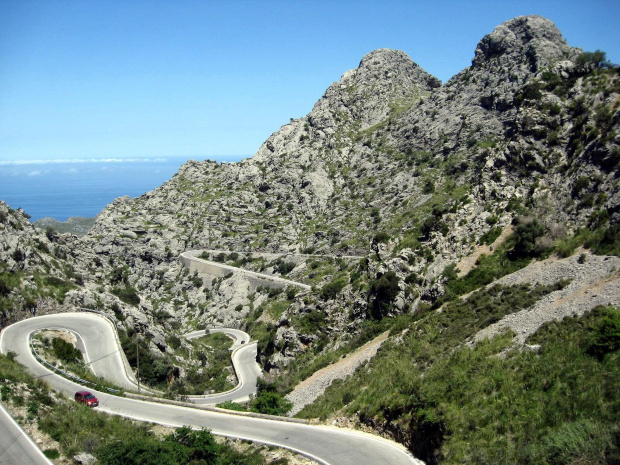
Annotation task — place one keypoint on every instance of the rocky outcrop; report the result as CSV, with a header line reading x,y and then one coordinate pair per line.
x,y
390,165
386,150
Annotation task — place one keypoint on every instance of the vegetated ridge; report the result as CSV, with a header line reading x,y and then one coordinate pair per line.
x,y
414,176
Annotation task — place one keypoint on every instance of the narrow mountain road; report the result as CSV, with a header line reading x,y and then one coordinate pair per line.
x,y
326,445
244,362
15,445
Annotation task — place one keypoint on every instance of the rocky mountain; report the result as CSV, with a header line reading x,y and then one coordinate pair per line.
x,y
440,188
388,152
77,225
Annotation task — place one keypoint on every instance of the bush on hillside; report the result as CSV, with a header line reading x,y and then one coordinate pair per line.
x,y
65,351
525,238
605,338
331,290
598,59
268,401
384,290
127,294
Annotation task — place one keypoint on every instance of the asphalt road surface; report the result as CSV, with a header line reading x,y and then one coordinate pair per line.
x,y
15,445
327,445
244,362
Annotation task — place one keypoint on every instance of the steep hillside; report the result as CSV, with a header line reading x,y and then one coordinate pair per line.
x,y
512,163
390,161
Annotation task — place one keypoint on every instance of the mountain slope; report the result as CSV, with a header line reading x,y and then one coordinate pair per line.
x,y
518,152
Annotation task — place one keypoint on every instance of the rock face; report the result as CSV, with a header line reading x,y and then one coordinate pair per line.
x,y
532,37
75,225
389,164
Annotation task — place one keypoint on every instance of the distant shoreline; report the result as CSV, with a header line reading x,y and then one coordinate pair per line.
x,y
62,189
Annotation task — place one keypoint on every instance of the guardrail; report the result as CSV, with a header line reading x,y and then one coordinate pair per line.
x,y
70,376
212,408
126,365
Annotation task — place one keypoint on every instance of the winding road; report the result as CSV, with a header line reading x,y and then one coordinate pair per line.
x,y
244,362
326,445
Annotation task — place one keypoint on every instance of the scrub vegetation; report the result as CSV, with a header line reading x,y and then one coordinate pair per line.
x,y
75,428
493,403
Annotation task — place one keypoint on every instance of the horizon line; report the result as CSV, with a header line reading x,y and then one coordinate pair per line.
x,y
56,161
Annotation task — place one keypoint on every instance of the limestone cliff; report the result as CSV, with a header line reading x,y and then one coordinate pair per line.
x,y
391,165
385,149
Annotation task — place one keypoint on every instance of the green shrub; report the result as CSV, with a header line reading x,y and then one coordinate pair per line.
x,y
274,291
153,370
597,58
271,403
229,405
433,223
311,322
174,341
127,294
529,92
51,454
197,281
381,237
268,401
609,243
582,183
54,281
65,351
118,312
525,235
284,267
265,334
291,292
492,220
605,338
5,288
5,393
332,289
119,275
384,290
490,236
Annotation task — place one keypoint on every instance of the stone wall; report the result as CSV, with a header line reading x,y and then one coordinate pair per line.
x,y
219,270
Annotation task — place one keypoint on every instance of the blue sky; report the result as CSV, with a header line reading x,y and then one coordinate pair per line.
x,y
203,79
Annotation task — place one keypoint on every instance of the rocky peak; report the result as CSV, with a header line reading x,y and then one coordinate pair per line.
x,y
384,62
365,96
533,37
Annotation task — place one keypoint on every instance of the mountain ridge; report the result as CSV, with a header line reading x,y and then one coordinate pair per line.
x,y
389,164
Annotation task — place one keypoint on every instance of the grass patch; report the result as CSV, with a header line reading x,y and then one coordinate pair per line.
x,y
212,351
408,385
488,268
127,294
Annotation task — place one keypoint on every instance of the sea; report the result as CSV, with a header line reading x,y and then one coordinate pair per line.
x,y
62,189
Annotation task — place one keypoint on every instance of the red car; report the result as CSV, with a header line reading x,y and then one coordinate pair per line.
x,y
87,398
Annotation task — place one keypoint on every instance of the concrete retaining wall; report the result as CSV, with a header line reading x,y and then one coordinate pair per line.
x,y
219,270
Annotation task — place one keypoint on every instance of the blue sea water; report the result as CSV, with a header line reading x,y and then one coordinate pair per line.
x,y
62,189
